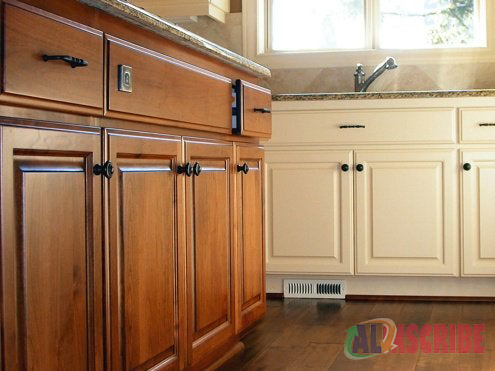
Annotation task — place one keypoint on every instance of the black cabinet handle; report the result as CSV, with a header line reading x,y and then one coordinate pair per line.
x,y
197,169
345,168
106,169
487,124
359,167
186,169
467,166
263,110
73,61
243,168
353,127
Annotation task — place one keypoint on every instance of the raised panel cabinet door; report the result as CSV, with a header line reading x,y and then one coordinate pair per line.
x,y
51,249
250,249
309,212
407,212
209,218
146,254
478,187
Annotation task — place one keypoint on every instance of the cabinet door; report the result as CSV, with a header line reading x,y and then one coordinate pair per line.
x,y
478,185
309,212
51,249
209,198
145,257
406,212
250,262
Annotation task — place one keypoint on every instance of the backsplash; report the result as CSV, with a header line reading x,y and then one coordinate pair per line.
x,y
338,80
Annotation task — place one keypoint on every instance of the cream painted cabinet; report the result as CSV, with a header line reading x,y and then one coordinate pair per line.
x,y
309,211
478,190
406,212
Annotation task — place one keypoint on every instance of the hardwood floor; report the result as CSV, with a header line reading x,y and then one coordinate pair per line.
x,y
302,334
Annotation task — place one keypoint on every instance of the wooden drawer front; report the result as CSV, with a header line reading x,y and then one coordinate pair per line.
x,y
167,88
380,126
477,125
256,104
30,34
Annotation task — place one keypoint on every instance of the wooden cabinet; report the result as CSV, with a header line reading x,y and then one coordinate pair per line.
x,y
166,88
406,212
209,236
252,110
29,35
146,254
119,231
478,212
309,211
250,252
51,249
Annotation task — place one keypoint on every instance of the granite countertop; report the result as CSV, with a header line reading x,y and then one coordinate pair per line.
x,y
152,22
384,95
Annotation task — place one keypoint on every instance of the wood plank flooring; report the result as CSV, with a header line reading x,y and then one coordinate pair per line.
x,y
302,334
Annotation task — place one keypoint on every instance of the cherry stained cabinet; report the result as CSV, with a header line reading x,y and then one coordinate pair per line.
x,y
51,249
250,258
209,224
146,274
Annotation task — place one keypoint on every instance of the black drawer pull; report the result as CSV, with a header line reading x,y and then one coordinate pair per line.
x,y
263,110
345,168
360,167
353,127
467,166
487,124
73,61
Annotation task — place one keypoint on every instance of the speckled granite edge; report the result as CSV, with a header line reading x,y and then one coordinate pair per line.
x,y
384,95
151,22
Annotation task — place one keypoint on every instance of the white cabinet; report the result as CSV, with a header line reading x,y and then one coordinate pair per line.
x,y
478,216
406,212
309,212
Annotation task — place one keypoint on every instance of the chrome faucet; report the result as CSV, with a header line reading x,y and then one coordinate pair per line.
x,y
360,82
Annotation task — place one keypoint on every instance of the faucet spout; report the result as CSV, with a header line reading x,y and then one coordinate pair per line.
x,y
361,84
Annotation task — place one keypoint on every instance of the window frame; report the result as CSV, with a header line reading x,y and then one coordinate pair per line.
x,y
256,42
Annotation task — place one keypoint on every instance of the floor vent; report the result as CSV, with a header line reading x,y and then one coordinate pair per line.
x,y
314,289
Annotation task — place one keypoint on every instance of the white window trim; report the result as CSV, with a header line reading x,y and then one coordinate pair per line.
x,y
255,21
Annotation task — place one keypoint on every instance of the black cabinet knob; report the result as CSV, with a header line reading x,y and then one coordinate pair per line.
x,y
359,167
467,166
243,168
345,168
185,169
106,170
72,61
197,169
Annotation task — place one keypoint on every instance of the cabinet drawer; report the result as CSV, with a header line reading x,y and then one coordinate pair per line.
x,y
477,125
166,88
252,112
31,33
365,126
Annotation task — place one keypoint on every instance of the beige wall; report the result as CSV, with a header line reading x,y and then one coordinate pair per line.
x,y
320,80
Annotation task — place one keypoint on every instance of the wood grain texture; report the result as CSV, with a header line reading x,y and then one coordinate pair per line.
x,y
51,250
250,248
169,89
29,35
310,335
146,261
209,210
256,124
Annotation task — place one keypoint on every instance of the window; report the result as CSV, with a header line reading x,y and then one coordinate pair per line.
x,y
290,30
